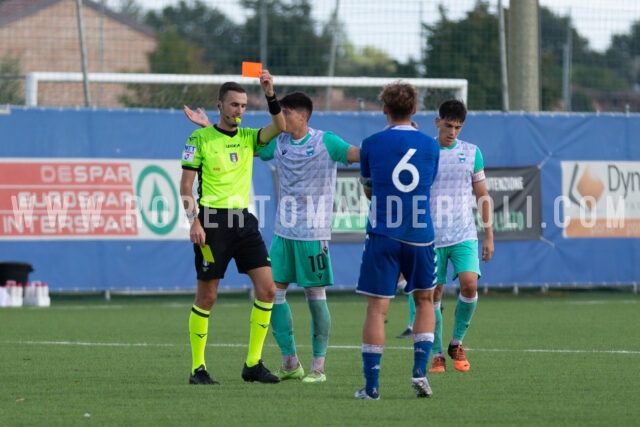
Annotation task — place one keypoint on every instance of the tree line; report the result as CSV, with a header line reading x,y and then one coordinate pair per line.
x,y
193,38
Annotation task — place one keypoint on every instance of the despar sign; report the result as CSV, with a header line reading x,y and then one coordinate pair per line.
x,y
90,199
517,203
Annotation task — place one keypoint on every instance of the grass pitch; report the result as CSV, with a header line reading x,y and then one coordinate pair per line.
x,y
569,359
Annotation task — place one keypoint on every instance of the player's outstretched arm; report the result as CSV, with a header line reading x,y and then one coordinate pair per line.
x,y
353,155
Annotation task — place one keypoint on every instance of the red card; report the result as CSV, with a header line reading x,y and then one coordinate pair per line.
x,y
251,69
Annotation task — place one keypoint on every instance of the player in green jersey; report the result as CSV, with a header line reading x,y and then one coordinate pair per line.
x,y
300,246
460,182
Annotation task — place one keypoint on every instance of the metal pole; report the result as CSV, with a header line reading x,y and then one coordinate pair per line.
x,y
263,32
83,54
31,88
263,40
566,68
101,50
332,54
524,55
503,59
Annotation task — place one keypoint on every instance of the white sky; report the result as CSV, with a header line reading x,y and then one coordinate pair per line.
x,y
368,23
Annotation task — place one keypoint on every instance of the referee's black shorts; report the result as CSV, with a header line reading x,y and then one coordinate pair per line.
x,y
230,233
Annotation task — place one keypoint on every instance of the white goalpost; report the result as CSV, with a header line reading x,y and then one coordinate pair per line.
x,y
459,86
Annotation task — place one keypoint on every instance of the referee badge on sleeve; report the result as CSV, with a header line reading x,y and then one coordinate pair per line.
x,y
189,153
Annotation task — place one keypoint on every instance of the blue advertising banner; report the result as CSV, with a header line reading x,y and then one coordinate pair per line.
x,y
98,187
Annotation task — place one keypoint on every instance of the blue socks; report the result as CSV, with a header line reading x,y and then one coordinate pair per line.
x,y
371,357
422,344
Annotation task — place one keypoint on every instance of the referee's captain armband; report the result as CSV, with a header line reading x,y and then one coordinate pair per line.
x,y
478,176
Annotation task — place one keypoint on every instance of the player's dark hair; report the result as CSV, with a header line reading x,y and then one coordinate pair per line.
x,y
229,87
454,110
297,101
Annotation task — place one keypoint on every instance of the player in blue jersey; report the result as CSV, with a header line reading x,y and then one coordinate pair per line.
x,y
306,160
460,183
398,166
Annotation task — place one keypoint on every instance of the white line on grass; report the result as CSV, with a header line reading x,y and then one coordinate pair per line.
x,y
92,344
341,347
533,350
598,302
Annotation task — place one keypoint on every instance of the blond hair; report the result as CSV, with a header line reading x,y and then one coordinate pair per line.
x,y
400,98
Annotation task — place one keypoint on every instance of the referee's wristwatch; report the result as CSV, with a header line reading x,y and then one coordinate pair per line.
x,y
192,217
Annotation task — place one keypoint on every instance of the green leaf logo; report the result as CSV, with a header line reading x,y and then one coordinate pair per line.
x,y
159,203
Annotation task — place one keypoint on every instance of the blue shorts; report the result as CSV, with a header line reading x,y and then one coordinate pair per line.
x,y
383,259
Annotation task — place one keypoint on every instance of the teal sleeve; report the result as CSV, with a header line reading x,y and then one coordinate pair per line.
x,y
266,152
479,162
336,147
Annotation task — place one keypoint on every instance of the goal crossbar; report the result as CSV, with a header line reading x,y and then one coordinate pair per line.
x,y
460,86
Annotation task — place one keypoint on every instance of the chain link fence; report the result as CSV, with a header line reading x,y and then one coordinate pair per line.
x,y
581,56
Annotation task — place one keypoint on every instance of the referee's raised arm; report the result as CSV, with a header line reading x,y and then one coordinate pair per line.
x,y
277,124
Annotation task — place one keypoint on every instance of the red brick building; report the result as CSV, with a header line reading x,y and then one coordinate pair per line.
x,y
42,35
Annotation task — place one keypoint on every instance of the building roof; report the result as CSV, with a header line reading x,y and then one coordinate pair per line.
x,y
14,10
